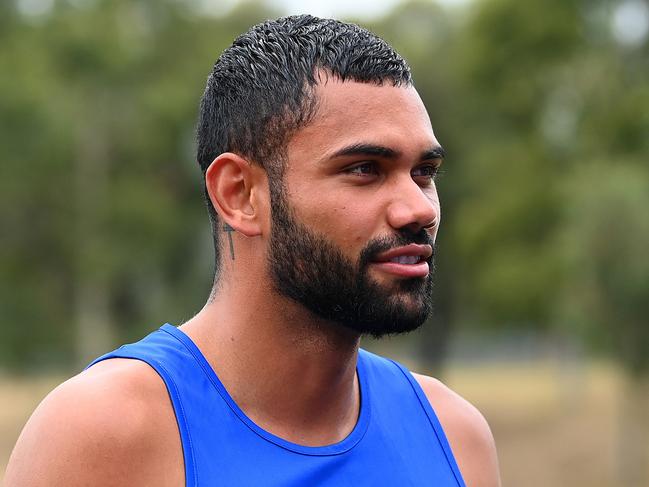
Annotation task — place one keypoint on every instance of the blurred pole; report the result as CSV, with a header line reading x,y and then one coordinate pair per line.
x,y
633,437
435,335
91,290
572,377
433,343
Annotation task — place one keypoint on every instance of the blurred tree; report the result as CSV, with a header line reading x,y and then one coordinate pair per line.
x,y
505,59
542,107
552,224
99,186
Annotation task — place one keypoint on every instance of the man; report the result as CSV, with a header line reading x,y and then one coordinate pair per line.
x,y
319,162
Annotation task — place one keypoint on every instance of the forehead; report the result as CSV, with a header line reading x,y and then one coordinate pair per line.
x,y
350,112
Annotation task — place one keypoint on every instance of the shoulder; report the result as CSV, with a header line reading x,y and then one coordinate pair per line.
x,y
110,425
467,431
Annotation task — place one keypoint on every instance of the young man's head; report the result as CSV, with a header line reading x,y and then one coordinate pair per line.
x,y
328,110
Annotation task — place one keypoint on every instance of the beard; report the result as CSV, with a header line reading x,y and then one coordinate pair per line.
x,y
312,271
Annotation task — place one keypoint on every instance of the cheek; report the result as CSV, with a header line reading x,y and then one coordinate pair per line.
x,y
343,218
345,225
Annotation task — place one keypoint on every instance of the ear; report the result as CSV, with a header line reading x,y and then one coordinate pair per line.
x,y
233,185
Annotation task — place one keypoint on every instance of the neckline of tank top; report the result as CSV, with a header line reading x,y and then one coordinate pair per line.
x,y
342,446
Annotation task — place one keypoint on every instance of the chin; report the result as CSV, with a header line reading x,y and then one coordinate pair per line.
x,y
399,318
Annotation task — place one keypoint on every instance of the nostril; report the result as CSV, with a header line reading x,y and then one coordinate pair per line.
x,y
430,225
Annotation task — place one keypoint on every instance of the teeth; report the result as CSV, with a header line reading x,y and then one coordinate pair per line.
x,y
405,259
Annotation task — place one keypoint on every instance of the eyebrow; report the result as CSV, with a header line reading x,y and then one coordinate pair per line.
x,y
436,152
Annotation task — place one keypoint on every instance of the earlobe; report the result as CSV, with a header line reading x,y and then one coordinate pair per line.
x,y
231,185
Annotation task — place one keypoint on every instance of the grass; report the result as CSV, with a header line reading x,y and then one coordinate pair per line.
x,y
553,427
19,396
554,424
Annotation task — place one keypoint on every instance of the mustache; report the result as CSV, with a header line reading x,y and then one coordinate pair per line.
x,y
404,237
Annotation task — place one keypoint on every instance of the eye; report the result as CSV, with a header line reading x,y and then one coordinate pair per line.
x,y
426,172
363,169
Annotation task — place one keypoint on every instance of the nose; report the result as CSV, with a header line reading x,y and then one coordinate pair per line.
x,y
413,207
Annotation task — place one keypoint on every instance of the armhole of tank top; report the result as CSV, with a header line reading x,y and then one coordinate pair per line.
x,y
179,410
434,421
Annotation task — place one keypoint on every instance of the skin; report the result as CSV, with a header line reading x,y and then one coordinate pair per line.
x,y
295,375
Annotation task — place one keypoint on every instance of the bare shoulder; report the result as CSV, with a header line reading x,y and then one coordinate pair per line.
x,y
467,431
111,425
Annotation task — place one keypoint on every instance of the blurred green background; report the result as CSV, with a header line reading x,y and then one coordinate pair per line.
x,y
542,288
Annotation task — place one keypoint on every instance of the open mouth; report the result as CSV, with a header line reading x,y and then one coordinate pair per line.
x,y
406,262
408,254
406,259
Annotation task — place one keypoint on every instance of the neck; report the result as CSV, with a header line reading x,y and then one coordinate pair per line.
x,y
290,372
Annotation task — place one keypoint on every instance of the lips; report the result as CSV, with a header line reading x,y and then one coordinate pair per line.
x,y
409,254
408,261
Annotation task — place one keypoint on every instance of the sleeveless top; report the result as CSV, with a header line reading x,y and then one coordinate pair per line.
x,y
397,440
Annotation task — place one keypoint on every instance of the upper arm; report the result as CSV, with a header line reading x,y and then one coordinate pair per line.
x,y
468,433
91,430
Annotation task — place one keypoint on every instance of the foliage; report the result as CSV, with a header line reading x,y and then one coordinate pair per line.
x,y
544,116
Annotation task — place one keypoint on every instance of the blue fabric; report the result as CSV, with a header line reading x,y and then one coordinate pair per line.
x,y
397,441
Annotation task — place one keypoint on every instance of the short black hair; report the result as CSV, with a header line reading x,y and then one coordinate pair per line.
x,y
261,89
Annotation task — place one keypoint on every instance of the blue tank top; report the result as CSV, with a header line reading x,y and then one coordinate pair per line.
x,y
397,440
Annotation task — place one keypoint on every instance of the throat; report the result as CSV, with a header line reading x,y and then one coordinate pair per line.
x,y
312,416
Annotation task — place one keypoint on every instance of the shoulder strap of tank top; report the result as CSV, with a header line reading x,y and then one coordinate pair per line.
x,y
151,350
434,421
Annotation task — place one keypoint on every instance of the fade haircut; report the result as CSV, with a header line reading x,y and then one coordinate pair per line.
x,y
262,89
